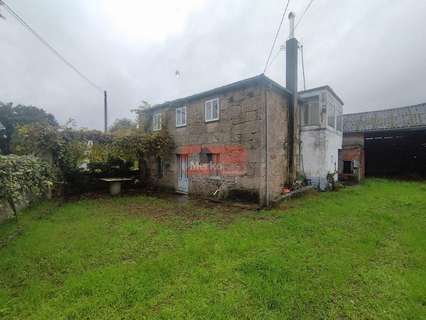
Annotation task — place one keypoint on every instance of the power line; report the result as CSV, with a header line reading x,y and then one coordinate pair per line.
x,y
276,37
304,12
49,46
282,48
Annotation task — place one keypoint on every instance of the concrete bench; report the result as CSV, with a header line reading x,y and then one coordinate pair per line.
x,y
115,184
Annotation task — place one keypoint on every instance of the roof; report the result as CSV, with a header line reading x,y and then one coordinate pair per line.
x,y
409,117
2,127
259,79
323,88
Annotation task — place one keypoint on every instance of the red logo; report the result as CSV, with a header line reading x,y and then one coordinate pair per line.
x,y
216,160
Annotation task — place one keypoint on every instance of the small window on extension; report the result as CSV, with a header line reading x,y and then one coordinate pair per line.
x,y
310,112
347,167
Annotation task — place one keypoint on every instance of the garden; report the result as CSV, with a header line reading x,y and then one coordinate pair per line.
x,y
354,254
42,159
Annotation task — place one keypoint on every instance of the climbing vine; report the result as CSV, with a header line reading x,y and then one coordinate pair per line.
x,y
138,145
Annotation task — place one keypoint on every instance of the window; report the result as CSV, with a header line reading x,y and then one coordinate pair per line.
x,y
211,110
339,118
347,167
310,112
214,164
339,122
156,122
181,117
331,115
212,160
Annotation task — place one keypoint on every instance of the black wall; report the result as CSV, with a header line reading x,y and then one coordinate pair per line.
x,y
396,154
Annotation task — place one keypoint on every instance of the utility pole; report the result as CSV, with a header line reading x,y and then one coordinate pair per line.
x,y
105,112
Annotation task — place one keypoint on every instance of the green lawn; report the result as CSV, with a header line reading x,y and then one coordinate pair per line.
x,y
359,253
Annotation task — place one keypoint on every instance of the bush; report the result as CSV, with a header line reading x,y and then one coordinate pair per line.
x,y
22,177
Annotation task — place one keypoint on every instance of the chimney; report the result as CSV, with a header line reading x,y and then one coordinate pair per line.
x,y
291,84
291,57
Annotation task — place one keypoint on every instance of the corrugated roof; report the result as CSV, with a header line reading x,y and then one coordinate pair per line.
x,y
409,117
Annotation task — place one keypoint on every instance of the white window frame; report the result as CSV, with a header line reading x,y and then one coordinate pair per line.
x,y
312,108
331,107
156,122
209,104
181,122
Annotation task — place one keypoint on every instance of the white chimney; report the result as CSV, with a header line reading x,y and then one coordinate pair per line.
x,y
291,17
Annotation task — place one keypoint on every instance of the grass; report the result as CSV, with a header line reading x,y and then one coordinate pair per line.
x,y
356,254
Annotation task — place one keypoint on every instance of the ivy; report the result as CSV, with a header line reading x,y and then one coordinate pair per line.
x,y
139,145
23,176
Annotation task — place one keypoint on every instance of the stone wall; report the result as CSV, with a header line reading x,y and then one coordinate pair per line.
x,y
278,161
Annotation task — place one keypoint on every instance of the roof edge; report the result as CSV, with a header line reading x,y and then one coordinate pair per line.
x,y
262,78
326,87
385,110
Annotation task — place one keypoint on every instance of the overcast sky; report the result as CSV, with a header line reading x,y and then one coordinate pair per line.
x,y
372,53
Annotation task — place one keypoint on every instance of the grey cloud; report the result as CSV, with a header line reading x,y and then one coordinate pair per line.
x,y
371,53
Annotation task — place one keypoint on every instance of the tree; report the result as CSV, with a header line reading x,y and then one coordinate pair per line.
x,y
141,115
13,116
123,124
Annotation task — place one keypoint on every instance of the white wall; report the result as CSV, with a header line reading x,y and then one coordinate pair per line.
x,y
321,143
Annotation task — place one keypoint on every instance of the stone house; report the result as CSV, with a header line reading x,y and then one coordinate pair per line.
x,y
251,138
233,140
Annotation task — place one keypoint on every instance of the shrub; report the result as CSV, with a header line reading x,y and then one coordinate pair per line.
x,y
22,177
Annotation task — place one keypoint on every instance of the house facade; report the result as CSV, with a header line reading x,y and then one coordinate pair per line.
x,y
229,141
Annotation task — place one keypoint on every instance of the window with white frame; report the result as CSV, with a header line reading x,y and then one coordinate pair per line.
x,y
331,113
211,110
156,122
181,117
310,112
339,118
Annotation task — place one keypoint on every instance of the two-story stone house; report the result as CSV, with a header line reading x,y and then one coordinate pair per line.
x,y
232,139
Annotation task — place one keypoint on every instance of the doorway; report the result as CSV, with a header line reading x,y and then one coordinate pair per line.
x,y
182,172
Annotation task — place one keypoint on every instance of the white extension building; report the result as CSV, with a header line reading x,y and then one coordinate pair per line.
x,y
321,134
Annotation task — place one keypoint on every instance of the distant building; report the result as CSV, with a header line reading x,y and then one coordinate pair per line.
x,y
386,143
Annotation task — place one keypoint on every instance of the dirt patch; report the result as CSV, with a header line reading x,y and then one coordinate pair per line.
x,y
189,211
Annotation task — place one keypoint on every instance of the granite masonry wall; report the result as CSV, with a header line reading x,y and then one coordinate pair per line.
x,y
239,139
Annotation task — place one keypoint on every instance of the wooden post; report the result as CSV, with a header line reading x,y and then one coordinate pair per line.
x,y
105,112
